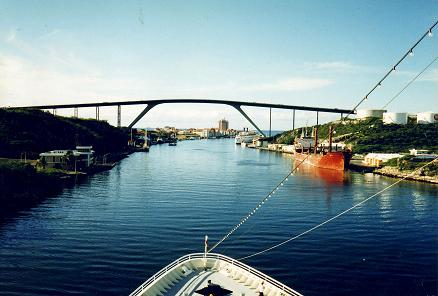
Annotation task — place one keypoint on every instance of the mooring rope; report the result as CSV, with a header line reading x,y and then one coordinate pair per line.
x,y
340,214
272,192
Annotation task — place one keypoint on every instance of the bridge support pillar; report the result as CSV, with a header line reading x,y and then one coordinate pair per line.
x,y
97,112
293,120
119,116
75,112
143,113
317,118
270,121
249,119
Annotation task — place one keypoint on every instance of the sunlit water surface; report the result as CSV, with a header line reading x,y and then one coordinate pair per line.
x,y
108,234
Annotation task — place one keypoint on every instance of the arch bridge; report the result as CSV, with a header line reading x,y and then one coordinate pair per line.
x,y
153,103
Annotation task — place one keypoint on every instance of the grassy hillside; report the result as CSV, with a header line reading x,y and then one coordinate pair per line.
x,y
35,131
373,136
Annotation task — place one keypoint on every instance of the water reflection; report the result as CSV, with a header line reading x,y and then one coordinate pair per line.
x,y
153,208
329,177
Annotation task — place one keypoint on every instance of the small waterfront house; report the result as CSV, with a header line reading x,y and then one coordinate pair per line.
x,y
59,159
82,157
376,159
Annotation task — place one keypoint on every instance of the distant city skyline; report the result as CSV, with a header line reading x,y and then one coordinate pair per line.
x,y
311,53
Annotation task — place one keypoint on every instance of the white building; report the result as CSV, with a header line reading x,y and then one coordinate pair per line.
x,y
82,157
376,159
208,133
58,159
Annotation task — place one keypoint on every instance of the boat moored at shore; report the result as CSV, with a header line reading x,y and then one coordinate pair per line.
x,y
306,150
246,137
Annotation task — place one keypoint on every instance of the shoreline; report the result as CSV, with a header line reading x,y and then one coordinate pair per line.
x,y
25,186
396,173
357,166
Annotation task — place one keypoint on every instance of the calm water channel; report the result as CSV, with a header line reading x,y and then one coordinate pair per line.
x,y
108,234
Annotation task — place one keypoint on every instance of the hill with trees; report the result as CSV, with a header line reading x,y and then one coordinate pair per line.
x,y
371,135
35,131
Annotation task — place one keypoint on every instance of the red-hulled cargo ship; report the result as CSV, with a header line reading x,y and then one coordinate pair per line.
x,y
338,160
307,151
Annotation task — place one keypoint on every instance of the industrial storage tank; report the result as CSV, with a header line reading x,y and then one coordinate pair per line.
x,y
366,113
427,117
395,117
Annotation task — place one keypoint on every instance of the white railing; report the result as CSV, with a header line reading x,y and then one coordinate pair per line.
x,y
189,257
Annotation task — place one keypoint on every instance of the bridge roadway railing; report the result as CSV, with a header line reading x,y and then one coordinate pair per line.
x,y
196,256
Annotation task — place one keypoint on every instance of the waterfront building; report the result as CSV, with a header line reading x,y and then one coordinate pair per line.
x,y
208,133
223,125
82,157
376,159
58,159
198,132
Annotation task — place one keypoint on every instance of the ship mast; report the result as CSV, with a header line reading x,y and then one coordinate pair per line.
x,y
330,138
316,140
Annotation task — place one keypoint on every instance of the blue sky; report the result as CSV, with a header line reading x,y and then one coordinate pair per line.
x,y
313,53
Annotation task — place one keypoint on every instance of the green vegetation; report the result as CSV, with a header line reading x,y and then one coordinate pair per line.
x,y
30,132
372,135
21,184
35,131
408,163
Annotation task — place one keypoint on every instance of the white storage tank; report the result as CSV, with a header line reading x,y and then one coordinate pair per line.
x,y
367,113
395,117
427,117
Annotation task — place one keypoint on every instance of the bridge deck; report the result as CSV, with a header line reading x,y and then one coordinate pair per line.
x,y
202,101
